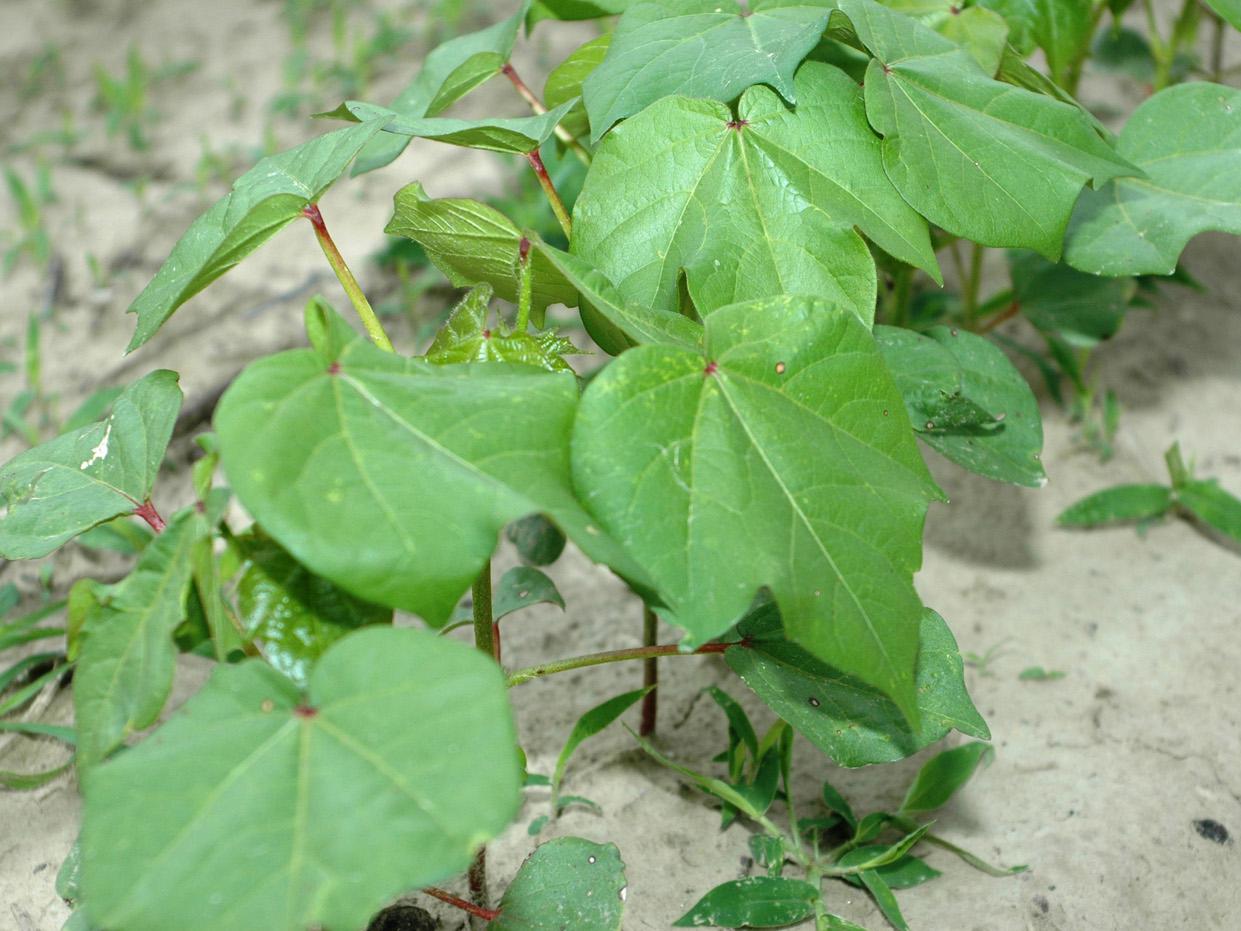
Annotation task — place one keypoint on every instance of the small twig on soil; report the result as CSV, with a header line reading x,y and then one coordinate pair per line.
x,y
486,914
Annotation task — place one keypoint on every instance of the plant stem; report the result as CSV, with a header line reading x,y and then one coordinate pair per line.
x,y
1217,48
486,914
1006,314
650,674
971,288
553,197
537,106
521,676
486,641
148,513
1162,50
525,287
369,320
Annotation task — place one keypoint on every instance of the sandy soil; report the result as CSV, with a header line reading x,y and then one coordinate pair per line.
x,y
1100,776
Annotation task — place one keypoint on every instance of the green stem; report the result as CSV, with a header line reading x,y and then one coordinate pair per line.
x,y
971,288
484,622
650,674
553,197
369,319
537,106
525,287
1217,48
1162,50
529,673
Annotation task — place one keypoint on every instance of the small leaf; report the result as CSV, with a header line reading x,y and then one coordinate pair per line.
x,y
738,720
1187,140
588,725
862,859
755,902
566,883
709,784
539,542
1061,28
942,775
882,894
768,852
38,729
264,200
52,493
251,781
1122,503
69,876
565,82
568,801
518,135
522,587
837,803
467,336
1039,674
1081,309
537,824
902,873
1212,505
25,782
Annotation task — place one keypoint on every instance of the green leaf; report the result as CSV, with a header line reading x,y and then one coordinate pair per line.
x,y
770,463
754,902
264,200
613,322
768,852
539,542
450,71
120,535
468,336
882,894
1061,28
522,587
981,32
392,477
59,489
700,48
837,803
473,243
757,206
69,876
127,657
1008,448
565,82
293,613
881,855
1122,503
566,883
588,725
1039,674
271,803
738,720
1212,505
942,775
518,135
25,782
1081,309
1228,10
848,720
1187,140
1124,51
987,161
573,10
38,729
903,873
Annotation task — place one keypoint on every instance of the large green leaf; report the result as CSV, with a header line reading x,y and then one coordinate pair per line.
x,y
985,160
471,242
1229,10
852,722
1081,309
259,807
293,614
747,208
264,200
127,656
782,458
450,71
566,883
1188,141
1061,28
701,48
948,378
392,477
515,135
55,491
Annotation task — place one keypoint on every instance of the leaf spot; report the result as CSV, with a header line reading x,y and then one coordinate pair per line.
x,y
305,711
780,368
712,368
814,702
590,859
268,706
100,452
334,368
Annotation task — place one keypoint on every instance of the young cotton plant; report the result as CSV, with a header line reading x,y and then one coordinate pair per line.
x,y
747,459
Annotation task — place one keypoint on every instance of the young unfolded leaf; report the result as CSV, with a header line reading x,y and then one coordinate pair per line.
x,y
126,659
852,722
1212,505
1081,309
566,883
1008,447
1114,505
781,457
295,615
984,160
755,902
588,725
52,493
468,337
450,71
701,48
516,135
473,243
521,587
252,779
392,477
942,775
757,206
1187,140
565,82
264,200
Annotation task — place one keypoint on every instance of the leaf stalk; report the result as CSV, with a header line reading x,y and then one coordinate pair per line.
x,y
370,320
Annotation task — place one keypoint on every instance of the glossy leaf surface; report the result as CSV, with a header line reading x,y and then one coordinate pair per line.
x,y
852,722
1187,139
468,336
767,462
252,779
747,208
754,902
521,587
57,490
566,883
263,200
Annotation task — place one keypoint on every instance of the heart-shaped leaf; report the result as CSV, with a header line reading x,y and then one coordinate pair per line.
x,y
1188,141
521,587
279,810
566,883
59,489
783,458
761,205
